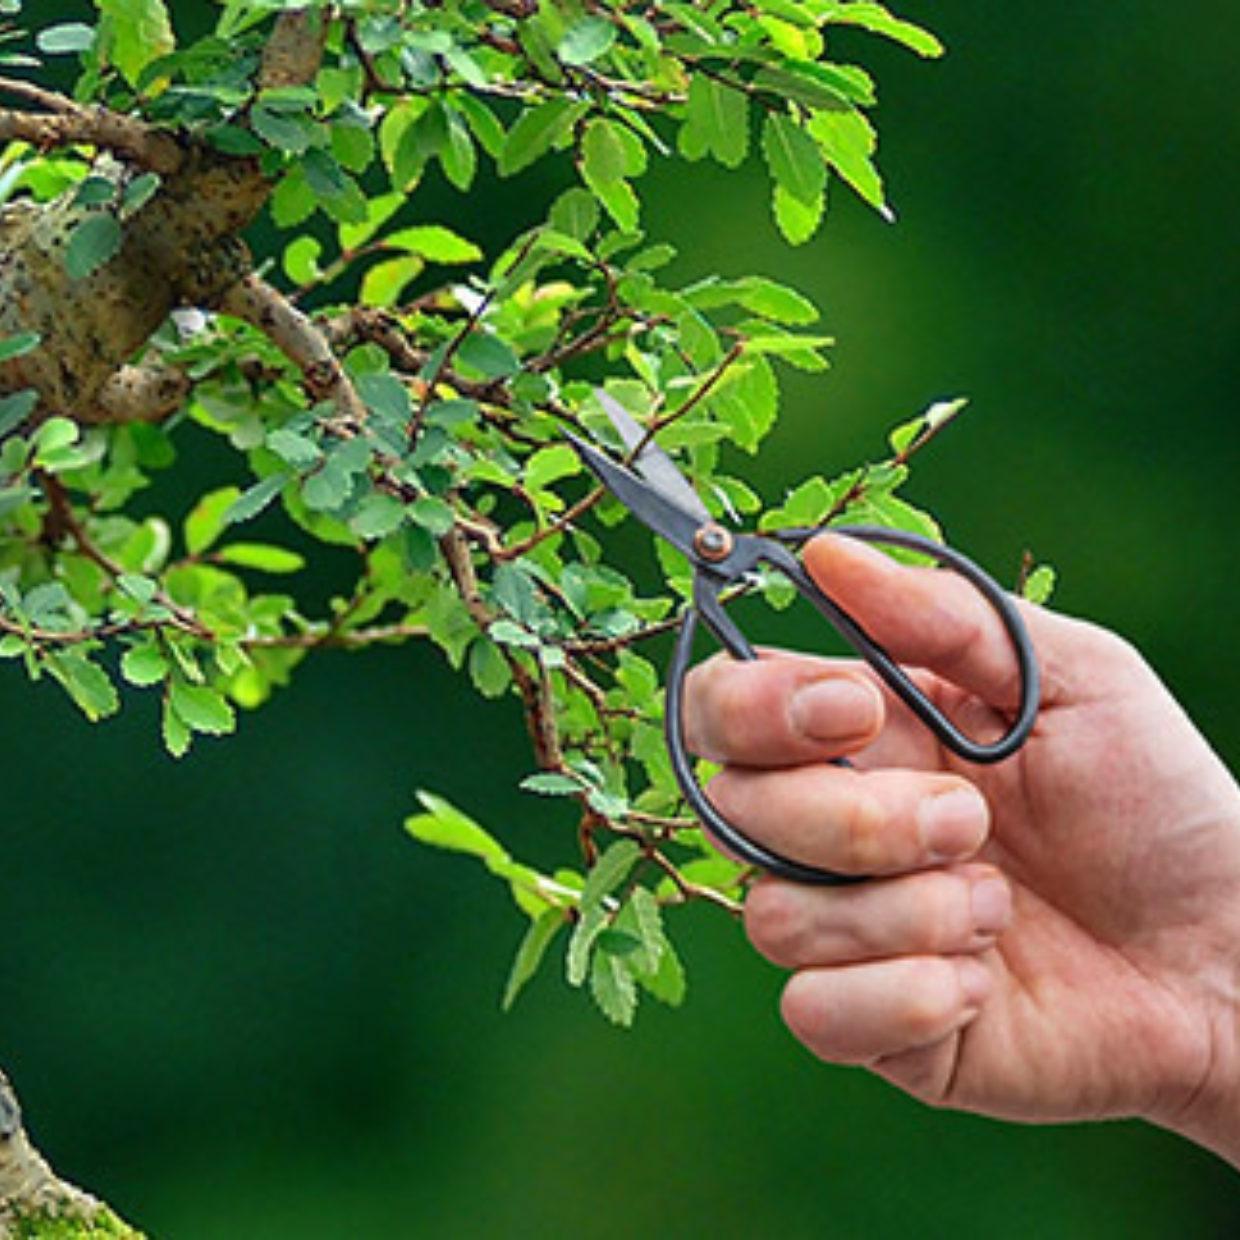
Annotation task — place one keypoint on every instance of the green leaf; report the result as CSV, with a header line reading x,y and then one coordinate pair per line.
x,y
435,242
1039,585
793,158
445,826
16,408
667,982
384,282
848,142
301,260
177,737
551,783
798,221
293,134
144,665
541,933
774,301
208,518
549,465
489,354
250,503
201,708
488,668
377,516
877,19
140,191
586,40
19,345
613,988
716,122
87,684
294,449
575,213
433,514
536,131
65,39
94,242
141,32
261,556
609,871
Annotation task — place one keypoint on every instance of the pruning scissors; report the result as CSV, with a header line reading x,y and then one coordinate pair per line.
x,y
659,495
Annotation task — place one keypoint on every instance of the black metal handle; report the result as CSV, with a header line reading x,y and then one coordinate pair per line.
x,y
707,606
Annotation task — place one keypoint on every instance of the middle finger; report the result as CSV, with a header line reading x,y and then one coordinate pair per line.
x,y
855,822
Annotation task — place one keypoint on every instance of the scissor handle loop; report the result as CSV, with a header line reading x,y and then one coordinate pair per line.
x,y
706,606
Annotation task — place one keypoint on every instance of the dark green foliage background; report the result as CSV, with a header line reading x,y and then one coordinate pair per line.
x,y
239,1002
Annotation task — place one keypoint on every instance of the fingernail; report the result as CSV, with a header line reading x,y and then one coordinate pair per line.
x,y
831,710
975,980
953,824
991,901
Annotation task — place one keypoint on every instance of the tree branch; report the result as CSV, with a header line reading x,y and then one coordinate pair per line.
x,y
68,122
256,302
148,393
30,1190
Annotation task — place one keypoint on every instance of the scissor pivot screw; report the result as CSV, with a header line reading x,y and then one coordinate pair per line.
x,y
713,543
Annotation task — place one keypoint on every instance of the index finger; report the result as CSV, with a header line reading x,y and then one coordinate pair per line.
x,y
925,617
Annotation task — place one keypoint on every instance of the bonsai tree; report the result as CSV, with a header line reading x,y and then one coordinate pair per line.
x,y
393,390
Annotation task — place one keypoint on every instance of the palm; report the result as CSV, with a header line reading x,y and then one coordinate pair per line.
x,y
1117,830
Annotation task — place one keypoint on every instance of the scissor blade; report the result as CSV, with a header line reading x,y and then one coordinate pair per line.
x,y
651,461
665,517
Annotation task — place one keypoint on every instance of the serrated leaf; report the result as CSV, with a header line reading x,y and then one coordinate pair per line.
x,y
609,871
549,465
798,221
535,132
541,933
383,284
716,122
667,982
848,141
176,734
794,159
16,408
94,242
18,345
444,826
141,32
434,241
1039,585
575,213
488,668
144,665
250,503
201,708
876,19
433,514
586,40
550,783
87,684
613,988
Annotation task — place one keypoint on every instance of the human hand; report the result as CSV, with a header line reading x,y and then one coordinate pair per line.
x,y
1055,937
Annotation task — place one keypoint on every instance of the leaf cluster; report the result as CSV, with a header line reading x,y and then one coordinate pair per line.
x,y
472,521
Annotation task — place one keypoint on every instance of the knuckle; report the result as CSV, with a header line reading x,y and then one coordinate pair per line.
x,y
729,794
945,916
776,925
865,841
929,1001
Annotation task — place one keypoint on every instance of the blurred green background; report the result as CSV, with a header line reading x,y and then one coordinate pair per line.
x,y
238,1003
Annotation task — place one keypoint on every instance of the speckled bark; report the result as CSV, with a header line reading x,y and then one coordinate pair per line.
x,y
182,248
